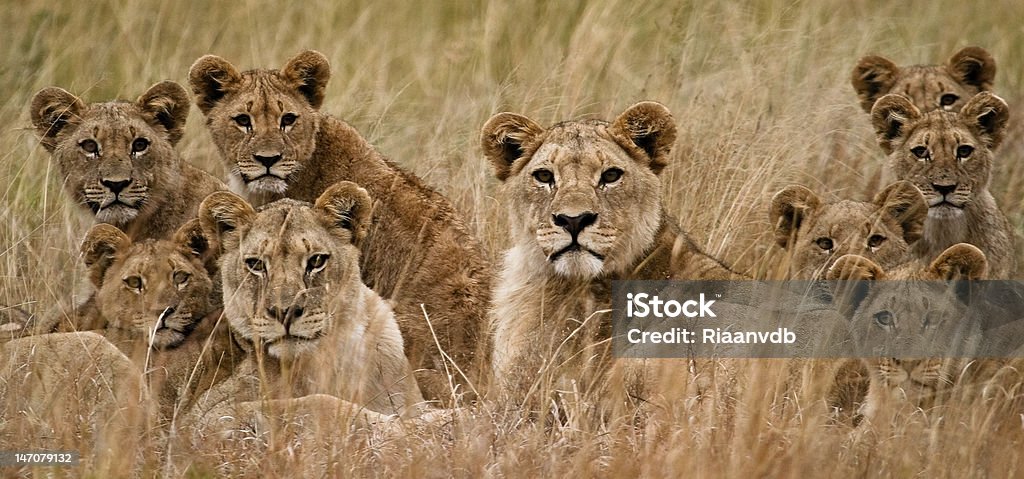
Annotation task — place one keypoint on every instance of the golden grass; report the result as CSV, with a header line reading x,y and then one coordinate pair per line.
x,y
761,95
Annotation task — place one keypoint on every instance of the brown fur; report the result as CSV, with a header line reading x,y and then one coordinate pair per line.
x,y
968,72
967,212
418,249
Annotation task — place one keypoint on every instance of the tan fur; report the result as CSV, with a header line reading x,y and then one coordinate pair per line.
x,y
418,250
814,232
968,72
961,209
549,314
293,297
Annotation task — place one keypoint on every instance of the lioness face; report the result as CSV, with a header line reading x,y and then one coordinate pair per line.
x,y
585,194
929,87
291,270
948,156
263,121
114,155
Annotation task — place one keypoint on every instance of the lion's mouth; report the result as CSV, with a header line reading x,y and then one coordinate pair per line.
x,y
573,248
96,206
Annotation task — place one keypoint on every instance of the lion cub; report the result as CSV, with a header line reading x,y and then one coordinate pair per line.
x,y
419,254
930,87
949,157
294,299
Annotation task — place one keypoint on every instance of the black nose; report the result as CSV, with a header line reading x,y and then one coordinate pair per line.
x,y
944,189
575,224
287,315
116,186
267,161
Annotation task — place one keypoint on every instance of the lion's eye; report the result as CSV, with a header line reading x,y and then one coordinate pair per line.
x,y
288,119
824,243
256,266
544,176
611,175
884,319
964,151
316,263
140,145
920,152
243,120
948,99
89,146
133,282
181,278
875,241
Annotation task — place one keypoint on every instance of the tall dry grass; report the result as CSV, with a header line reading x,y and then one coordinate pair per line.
x,y
761,95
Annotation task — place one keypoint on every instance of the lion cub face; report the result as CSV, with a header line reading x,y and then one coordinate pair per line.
x,y
290,270
815,232
263,121
932,87
118,157
584,194
948,156
154,289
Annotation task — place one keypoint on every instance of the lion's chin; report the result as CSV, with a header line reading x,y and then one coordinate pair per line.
x,y
945,211
267,184
290,349
117,214
578,265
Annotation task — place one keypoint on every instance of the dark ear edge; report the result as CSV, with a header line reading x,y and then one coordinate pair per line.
x,y
308,72
211,78
872,77
99,249
904,202
962,261
223,215
973,66
987,115
504,140
165,105
193,242
891,116
53,109
853,274
348,206
650,127
789,207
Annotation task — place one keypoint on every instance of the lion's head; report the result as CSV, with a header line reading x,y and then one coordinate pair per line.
x,y
118,157
947,155
815,232
264,122
943,87
153,289
584,195
290,270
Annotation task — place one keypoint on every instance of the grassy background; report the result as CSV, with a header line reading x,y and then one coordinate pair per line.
x,y
760,91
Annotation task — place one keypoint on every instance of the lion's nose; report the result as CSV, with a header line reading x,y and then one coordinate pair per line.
x,y
285,316
267,160
116,186
575,224
944,189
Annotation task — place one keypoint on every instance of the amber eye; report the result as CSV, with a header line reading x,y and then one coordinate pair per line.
x,y
948,99
255,265
288,119
611,175
875,241
89,146
964,151
181,277
544,176
316,263
133,282
243,121
884,319
824,243
140,145
920,152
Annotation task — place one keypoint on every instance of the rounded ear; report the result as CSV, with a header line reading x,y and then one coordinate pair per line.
x,y
211,77
223,216
987,114
788,210
852,267
504,139
958,262
649,126
308,73
193,242
347,206
904,202
100,247
52,110
872,77
973,66
165,105
890,117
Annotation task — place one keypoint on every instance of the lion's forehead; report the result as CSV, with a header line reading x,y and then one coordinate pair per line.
x,y
578,157
287,230
262,92
113,121
155,259
844,218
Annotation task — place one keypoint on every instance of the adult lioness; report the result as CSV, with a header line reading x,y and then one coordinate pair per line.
x,y
930,87
294,298
277,144
584,203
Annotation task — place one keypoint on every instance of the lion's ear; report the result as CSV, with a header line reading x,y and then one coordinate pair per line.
x,y
890,117
973,66
193,242
347,206
308,73
504,139
165,105
100,247
904,202
788,210
851,267
223,216
53,109
872,77
649,126
211,77
961,261
987,115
